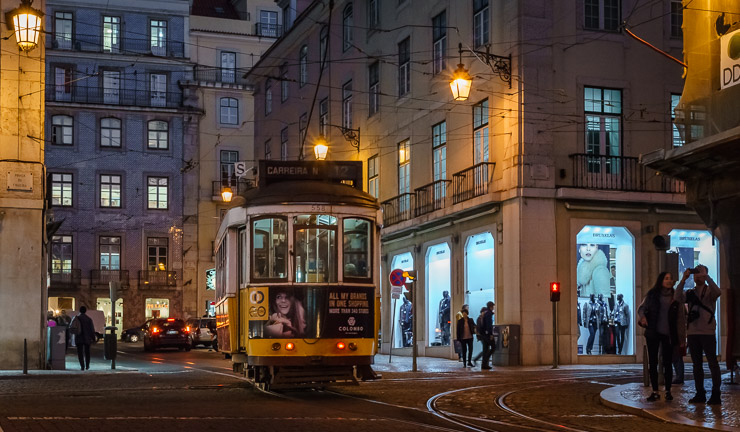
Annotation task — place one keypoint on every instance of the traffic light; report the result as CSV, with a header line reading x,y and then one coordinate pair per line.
x,y
554,291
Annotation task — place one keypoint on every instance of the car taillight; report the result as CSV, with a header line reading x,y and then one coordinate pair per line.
x,y
340,345
155,330
170,319
187,329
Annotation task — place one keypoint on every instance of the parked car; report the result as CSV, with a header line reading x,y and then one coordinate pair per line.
x,y
167,332
202,331
134,334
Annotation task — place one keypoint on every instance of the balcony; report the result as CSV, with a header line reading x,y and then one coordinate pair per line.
x,y
119,97
136,46
237,188
218,75
430,197
472,182
619,173
66,279
157,279
268,30
101,278
398,209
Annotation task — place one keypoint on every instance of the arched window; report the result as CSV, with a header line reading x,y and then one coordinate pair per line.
x,y
229,111
347,24
303,66
110,132
157,135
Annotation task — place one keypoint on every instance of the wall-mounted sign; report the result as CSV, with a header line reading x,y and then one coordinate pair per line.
x,y
20,181
729,59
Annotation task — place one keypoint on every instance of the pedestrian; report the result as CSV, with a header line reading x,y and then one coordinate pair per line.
x,y
487,337
658,314
679,350
50,321
457,318
478,332
702,340
465,332
63,320
84,330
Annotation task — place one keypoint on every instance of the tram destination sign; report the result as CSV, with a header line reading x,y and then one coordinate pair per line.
x,y
271,171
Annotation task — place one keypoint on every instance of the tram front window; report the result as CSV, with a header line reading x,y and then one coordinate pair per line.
x,y
315,248
269,247
356,248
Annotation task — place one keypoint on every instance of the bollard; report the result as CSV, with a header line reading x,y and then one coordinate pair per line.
x,y
25,356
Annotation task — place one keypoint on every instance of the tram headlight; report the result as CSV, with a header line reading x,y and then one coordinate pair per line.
x,y
352,346
290,346
340,345
276,346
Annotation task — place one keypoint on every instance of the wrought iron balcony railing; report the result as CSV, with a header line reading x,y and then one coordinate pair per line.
x,y
101,278
218,75
431,197
268,30
620,173
157,279
398,209
472,182
110,96
65,279
119,45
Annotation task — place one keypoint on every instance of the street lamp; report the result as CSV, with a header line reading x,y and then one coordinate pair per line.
x,y
26,23
320,149
461,83
226,193
461,80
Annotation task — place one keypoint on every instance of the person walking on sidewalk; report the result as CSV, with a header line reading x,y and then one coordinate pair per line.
x,y
465,332
487,335
658,314
479,334
702,326
84,330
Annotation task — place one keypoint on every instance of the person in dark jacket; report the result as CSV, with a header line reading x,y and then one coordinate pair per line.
x,y
85,338
658,314
465,332
487,338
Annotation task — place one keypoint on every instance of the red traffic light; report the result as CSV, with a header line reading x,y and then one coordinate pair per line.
x,y
554,291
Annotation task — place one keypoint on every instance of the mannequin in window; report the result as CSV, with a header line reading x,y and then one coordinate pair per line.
x,y
591,320
592,275
603,325
444,318
621,320
404,320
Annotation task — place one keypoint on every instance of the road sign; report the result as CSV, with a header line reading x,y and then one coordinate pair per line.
x,y
397,278
396,292
240,169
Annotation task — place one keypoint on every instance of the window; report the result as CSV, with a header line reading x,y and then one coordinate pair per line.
x,y
284,144
158,90
603,108
439,154
268,150
61,190
373,180
373,72
302,125
676,19
303,66
228,67
110,253
373,14
357,235
347,105
284,82
158,135
110,132
61,254
268,97
323,44
404,67
228,159
677,122
63,30
230,111
268,25
156,253
63,83
602,14
324,117
270,248
157,191
480,131
111,34
110,191
439,48
347,25
62,128
404,174
481,23
158,32
315,248
111,86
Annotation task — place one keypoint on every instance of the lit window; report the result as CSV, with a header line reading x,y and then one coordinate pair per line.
x,y
373,174
61,254
111,34
157,135
156,253
61,190
158,33
110,253
157,193
404,174
110,191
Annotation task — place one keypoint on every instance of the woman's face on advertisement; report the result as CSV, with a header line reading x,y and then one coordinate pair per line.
x,y
588,251
282,303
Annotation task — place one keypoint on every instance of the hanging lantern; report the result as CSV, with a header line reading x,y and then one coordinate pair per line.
x,y
226,193
461,83
320,149
26,23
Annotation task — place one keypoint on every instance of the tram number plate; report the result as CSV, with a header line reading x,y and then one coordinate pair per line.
x,y
319,208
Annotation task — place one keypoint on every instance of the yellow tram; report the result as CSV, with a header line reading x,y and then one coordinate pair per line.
x,y
297,274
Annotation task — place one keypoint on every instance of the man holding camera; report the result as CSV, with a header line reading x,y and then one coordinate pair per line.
x,y
702,340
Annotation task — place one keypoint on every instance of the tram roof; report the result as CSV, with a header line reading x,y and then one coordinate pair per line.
x,y
309,191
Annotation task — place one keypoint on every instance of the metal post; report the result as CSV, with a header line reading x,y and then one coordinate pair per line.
x,y
393,327
554,335
415,347
25,356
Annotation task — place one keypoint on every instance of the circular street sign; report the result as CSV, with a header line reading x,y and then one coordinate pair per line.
x,y
397,278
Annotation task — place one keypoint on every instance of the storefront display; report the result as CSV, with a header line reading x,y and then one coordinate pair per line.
x,y
605,276
402,307
103,304
157,308
439,302
479,275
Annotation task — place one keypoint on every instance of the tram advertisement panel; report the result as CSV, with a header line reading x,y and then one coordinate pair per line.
x,y
313,312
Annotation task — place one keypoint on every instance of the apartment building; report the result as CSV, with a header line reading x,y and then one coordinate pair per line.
x,y
533,179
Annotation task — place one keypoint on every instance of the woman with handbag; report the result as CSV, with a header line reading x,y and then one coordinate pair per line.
x,y
465,332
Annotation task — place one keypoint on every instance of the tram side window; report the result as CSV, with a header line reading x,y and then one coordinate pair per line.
x,y
356,248
269,248
315,248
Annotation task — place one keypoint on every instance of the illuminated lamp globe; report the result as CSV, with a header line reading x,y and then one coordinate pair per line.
x,y
226,193
320,149
461,83
26,25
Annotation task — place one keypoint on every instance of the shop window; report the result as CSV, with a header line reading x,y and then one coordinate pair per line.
x,y
315,248
269,248
605,276
103,304
479,276
439,300
693,248
157,308
357,248
403,307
